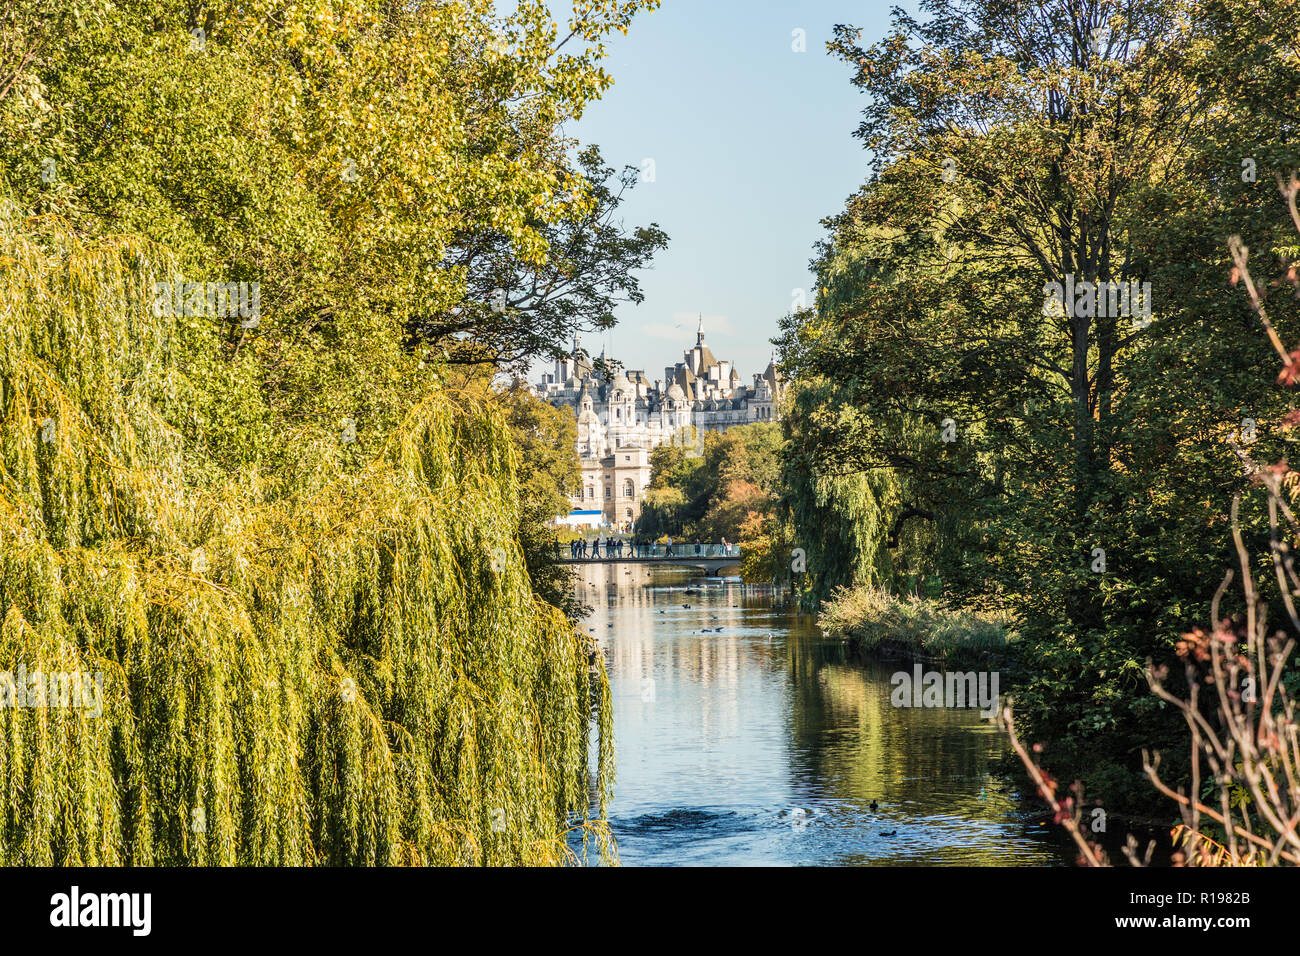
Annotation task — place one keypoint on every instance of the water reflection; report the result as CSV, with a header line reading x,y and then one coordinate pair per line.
x,y
745,738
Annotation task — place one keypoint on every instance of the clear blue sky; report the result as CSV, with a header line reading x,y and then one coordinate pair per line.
x,y
752,146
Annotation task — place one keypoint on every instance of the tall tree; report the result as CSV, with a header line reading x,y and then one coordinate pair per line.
x,y
1046,118
516,310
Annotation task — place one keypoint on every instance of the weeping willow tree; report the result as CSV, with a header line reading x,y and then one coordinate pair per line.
x,y
841,521
856,520
349,667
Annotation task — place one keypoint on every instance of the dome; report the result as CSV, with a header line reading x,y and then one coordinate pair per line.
x,y
675,393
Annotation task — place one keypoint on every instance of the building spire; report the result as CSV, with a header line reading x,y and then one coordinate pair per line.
x,y
699,334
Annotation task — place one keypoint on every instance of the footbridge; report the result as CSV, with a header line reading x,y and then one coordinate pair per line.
x,y
708,557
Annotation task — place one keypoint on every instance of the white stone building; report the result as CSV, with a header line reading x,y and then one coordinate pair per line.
x,y
620,421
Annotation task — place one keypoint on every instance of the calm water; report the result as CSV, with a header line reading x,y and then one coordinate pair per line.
x,y
760,744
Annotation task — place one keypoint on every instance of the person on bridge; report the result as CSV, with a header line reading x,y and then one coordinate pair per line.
x,y
670,546
697,545
595,548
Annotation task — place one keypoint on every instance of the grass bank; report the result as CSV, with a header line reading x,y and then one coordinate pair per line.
x,y
877,623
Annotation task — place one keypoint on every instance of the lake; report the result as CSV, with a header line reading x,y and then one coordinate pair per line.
x,y
743,737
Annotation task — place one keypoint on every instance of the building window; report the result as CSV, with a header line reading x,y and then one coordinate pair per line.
x,y
591,493
629,489
607,490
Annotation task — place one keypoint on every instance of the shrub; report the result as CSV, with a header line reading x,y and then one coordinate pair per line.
x,y
875,621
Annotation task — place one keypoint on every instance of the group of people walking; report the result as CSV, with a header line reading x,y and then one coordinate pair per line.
x,y
585,549
639,548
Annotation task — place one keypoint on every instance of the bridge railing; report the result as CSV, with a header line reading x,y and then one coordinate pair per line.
x,y
678,550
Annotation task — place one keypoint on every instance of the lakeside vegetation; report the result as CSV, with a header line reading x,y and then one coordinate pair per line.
x,y
878,622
